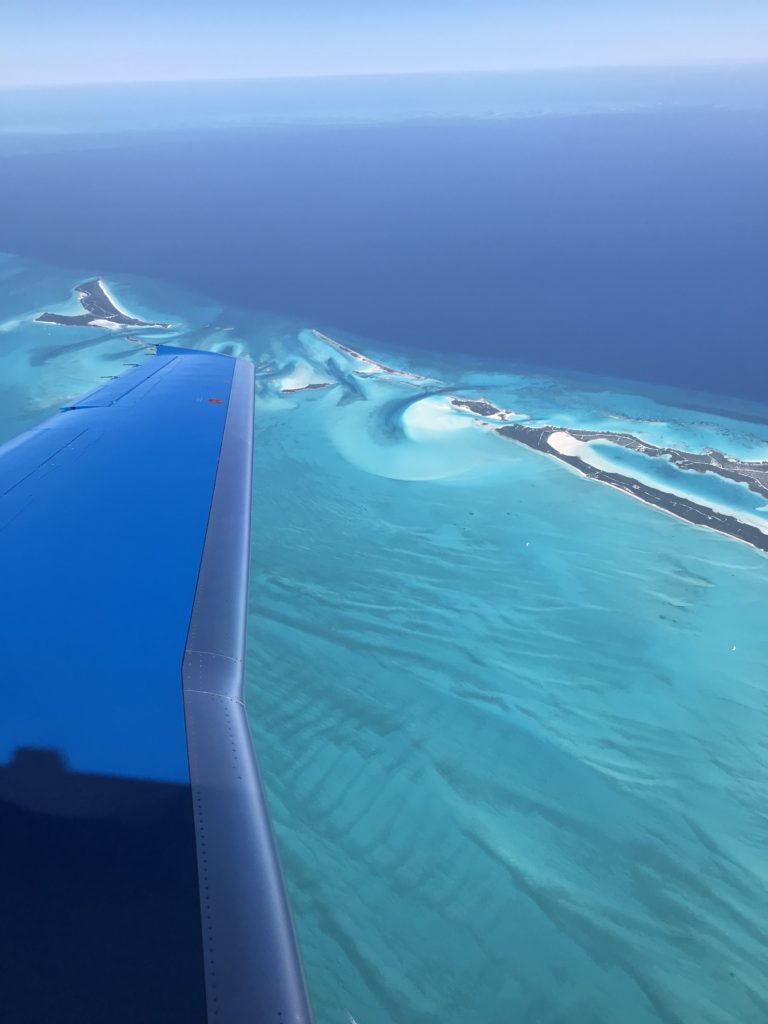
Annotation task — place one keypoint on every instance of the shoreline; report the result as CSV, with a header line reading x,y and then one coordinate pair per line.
x,y
111,299
726,524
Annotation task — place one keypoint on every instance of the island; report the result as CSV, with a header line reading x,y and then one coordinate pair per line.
x,y
565,444
482,407
366,365
100,310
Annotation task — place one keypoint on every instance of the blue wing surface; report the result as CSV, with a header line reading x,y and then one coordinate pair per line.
x,y
139,880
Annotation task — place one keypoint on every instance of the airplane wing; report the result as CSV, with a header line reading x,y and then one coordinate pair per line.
x,y
138,875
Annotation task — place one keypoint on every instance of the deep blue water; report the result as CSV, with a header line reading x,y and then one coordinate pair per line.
x,y
627,243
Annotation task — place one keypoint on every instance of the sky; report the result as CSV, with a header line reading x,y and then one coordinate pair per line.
x,y
46,42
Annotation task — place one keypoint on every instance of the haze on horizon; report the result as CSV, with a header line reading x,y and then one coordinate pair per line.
x,y
45,42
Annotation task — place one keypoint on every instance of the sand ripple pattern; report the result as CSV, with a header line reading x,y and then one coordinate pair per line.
x,y
517,768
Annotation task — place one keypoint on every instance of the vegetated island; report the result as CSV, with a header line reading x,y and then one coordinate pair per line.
x,y
564,445
100,308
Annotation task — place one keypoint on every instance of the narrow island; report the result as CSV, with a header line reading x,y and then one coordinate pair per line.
x,y
366,365
565,444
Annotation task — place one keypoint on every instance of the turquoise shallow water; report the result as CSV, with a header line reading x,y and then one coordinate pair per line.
x,y
511,722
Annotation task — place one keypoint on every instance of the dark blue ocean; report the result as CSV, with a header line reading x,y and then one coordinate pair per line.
x,y
608,225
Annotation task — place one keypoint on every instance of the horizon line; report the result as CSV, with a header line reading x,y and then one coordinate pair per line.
x,y
723,63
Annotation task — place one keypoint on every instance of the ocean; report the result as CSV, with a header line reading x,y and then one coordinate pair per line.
x,y
511,721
